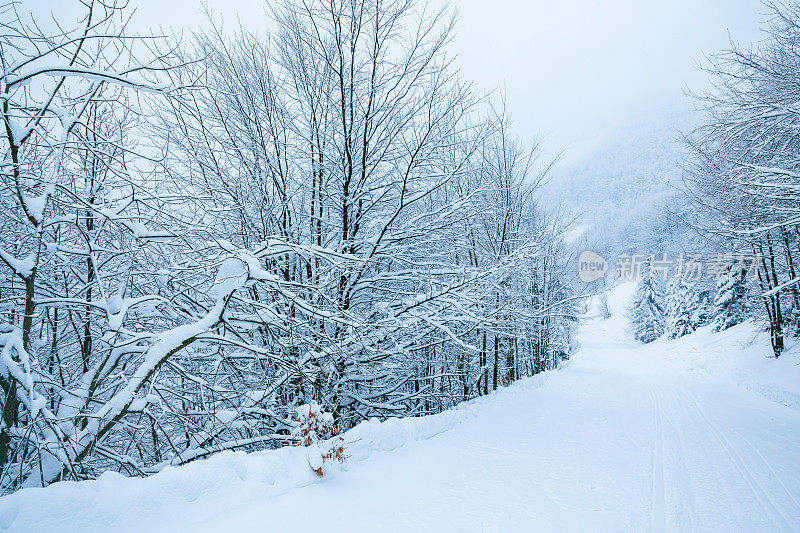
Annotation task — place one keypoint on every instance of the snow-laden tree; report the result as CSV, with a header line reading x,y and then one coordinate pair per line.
x,y
111,291
746,164
682,308
323,140
198,240
646,311
731,301
73,238
354,153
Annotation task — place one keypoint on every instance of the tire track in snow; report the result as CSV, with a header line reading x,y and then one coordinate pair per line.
x,y
682,521
657,497
769,467
775,514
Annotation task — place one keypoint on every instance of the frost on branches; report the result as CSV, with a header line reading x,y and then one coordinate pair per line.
x,y
194,239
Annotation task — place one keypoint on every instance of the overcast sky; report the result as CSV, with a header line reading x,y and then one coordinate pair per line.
x,y
579,69
574,71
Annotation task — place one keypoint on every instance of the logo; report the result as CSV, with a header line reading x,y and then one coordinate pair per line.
x,y
591,266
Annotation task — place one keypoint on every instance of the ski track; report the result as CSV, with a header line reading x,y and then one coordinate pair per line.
x,y
622,439
773,512
771,470
683,517
657,497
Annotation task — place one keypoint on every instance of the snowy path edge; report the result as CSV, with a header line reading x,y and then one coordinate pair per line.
x,y
116,499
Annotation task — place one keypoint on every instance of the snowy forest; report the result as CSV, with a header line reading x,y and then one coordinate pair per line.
x,y
740,197
199,236
418,265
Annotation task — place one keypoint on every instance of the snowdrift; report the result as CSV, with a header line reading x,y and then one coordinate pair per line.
x,y
741,354
115,502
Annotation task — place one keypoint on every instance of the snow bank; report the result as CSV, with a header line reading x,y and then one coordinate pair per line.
x,y
118,503
741,354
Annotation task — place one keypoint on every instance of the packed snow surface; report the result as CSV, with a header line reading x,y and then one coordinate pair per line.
x,y
697,434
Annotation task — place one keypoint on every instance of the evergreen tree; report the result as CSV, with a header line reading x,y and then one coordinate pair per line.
x,y
704,313
686,310
730,301
647,311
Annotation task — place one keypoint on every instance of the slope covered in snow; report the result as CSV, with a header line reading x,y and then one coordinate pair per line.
x,y
696,434
627,190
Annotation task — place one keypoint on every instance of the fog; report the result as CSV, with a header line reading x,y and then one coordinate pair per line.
x,y
574,73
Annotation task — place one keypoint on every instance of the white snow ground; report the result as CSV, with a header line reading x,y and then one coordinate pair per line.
x,y
697,434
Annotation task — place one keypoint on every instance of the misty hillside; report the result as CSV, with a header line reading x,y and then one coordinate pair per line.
x,y
623,191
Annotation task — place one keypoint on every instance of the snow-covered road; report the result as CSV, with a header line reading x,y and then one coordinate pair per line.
x,y
626,438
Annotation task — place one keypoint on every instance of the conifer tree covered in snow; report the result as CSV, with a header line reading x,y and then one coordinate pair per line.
x,y
646,312
731,299
678,309
683,308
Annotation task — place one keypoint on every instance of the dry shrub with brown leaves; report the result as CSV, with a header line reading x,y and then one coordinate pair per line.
x,y
313,427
